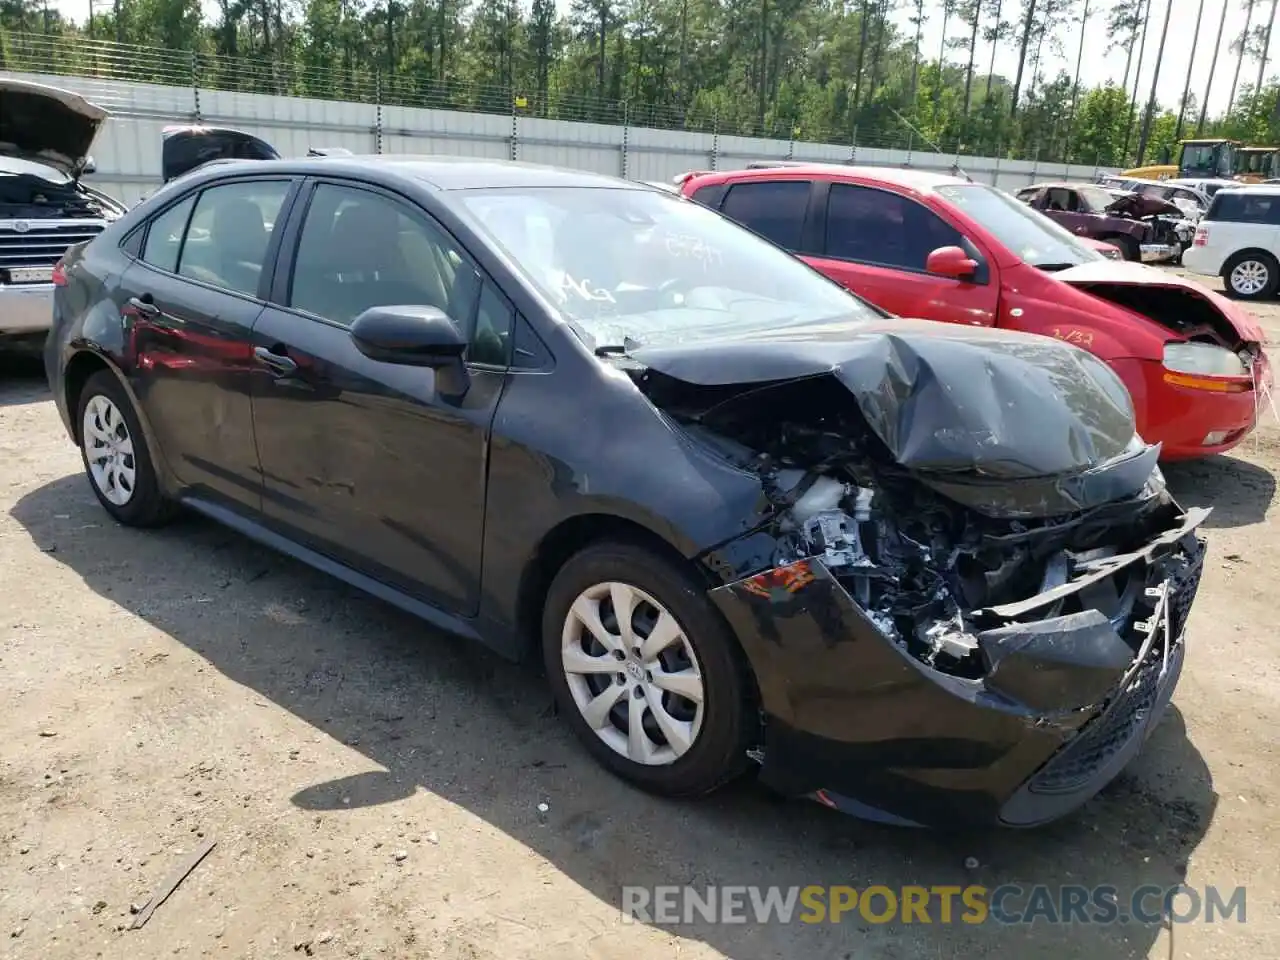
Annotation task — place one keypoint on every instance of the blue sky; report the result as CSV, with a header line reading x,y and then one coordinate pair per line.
x,y
1098,67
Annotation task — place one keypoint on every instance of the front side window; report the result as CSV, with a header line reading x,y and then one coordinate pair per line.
x,y
774,209
642,265
227,238
881,227
361,249
164,236
1028,234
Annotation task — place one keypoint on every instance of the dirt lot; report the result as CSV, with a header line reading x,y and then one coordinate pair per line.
x,y
374,788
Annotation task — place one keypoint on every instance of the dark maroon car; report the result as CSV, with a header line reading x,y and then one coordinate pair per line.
x,y
1144,227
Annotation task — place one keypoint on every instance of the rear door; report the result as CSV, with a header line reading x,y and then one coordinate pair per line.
x,y
372,463
192,297
876,242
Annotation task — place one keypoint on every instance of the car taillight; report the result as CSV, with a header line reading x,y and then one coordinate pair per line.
x,y
1202,236
59,276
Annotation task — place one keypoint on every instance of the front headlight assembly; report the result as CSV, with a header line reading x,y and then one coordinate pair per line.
x,y
1203,360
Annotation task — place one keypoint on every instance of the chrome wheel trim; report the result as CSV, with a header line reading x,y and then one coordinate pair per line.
x,y
108,449
1250,277
633,674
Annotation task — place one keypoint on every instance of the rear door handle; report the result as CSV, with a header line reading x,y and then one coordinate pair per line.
x,y
144,305
277,363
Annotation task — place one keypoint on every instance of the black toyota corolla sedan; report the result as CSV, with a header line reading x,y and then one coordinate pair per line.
x,y
923,573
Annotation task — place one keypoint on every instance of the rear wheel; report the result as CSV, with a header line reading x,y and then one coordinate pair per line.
x,y
646,672
1251,275
116,457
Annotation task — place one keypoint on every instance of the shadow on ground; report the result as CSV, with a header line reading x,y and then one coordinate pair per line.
x,y
1239,492
438,714
22,379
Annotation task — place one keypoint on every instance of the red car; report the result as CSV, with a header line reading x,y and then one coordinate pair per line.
x,y
936,247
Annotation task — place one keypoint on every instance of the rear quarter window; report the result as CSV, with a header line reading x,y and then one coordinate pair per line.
x,y
711,195
1245,208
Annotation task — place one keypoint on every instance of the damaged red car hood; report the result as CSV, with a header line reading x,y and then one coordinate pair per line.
x,y
1130,274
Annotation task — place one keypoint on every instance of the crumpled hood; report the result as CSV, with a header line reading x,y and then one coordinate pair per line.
x,y
47,124
1142,205
1131,274
942,399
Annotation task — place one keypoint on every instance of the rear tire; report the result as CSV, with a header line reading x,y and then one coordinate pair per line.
x,y
115,454
677,717
1251,275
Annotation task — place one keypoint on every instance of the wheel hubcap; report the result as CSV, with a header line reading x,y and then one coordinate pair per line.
x,y
632,673
1249,277
108,448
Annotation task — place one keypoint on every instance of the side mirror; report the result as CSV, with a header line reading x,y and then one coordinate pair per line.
x,y
89,166
951,262
415,336
410,335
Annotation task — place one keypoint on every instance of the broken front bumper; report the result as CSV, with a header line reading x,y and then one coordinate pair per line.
x,y
1159,252
856,721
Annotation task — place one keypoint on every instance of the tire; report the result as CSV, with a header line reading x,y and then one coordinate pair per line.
x,y
127,485
1251,275
1129,248
710,742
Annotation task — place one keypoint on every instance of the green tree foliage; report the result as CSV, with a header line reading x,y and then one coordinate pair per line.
x,y
841,71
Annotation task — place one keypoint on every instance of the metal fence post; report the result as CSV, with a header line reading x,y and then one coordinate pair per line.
x,y
995,176
853,147
515,128
791,145
715,140
377,122
626,124
195,84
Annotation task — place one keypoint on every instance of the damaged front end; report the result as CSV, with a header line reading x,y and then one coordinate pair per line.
x,y
968,601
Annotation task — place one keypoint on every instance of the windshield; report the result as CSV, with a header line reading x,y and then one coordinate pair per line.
x,y
1095,199
642,265
1030,235
1212,158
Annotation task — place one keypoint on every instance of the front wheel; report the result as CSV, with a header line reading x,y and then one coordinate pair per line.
x,y
1251,276
645,670
116,457
1129,247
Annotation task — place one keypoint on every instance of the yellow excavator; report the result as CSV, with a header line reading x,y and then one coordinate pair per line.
x,y
1255,164
1197,159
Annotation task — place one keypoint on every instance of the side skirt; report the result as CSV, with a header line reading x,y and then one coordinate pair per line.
x,y
256,531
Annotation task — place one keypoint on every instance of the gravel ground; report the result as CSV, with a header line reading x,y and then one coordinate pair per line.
x,y
374,787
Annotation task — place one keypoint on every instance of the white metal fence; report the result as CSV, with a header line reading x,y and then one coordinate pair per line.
x,y
127,151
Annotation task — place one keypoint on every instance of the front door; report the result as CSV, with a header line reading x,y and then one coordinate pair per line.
x,y
876,243
380,466
192,298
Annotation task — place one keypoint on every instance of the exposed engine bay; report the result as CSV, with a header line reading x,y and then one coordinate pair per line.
x,y
932,553
25,196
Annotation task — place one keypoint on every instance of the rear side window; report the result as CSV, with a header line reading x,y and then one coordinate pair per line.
x,y
710,196
1245,208
877,226
774,209
164,236
227,238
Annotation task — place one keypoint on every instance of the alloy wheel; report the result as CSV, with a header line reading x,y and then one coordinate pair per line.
x,y
108,449
632,673
1250,277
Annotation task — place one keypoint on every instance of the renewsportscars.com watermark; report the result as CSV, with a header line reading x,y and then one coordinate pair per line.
x,y
1006,904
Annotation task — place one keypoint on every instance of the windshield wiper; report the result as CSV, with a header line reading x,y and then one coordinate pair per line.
x,y
617,349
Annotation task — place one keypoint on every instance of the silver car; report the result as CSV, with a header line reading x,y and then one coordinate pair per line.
x,y
45,136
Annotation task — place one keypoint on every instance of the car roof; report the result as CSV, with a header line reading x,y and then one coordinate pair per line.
x,y
1060,184
440,173
910,178
1252,188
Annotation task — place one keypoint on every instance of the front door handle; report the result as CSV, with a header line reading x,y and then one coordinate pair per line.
x,y
144,305
277,363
